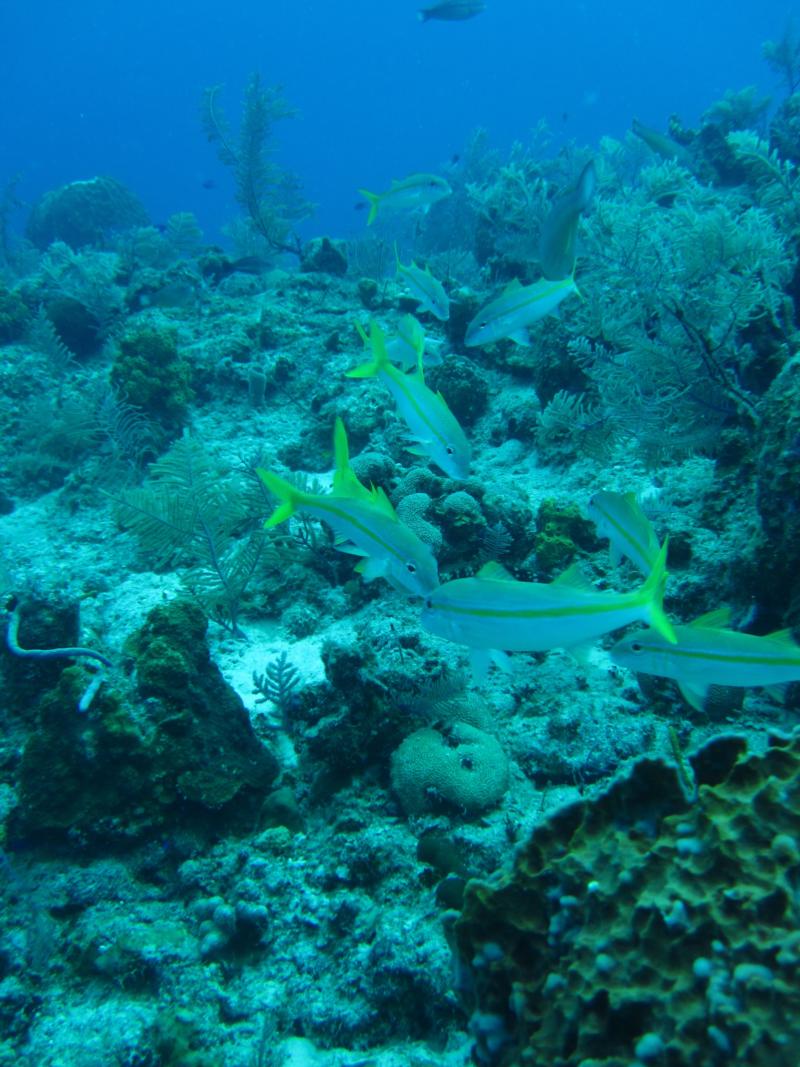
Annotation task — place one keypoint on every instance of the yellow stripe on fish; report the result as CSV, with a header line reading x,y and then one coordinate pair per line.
x,y
363,519
434,428
489,612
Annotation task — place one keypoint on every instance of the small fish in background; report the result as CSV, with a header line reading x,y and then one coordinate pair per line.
x,y
451,10
661,144
209,183
435,431
417,192
619,517
409,345
517,308
363,520
494,613
424,288
708,654
560,228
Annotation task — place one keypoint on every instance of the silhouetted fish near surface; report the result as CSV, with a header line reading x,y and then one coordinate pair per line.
x,y
452,10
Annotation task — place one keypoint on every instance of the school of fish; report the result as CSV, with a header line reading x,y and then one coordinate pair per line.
x,y
492,613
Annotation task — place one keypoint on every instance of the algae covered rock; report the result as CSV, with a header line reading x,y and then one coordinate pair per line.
x,y
322,255
178,751
151,374
85,213
648,920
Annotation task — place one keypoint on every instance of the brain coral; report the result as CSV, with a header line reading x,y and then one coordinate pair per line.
x,y
458,766
642,926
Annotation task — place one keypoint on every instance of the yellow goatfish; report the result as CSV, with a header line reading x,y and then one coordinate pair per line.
x,y
434,428
706,653
416,192
492,612
619,517
517,308
364,521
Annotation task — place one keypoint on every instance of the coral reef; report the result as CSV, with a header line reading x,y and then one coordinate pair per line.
x,y
645,924
85,213
188,755
151,374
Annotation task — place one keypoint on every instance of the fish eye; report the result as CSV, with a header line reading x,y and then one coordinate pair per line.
x,y
428,603
636,646
450,450
410,567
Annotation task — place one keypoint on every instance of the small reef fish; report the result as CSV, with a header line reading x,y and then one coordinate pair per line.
x,y
409,345
707,654
435,430
452,10
492,612
414,193
517,308
560,228
364,521
661,144
425,289
619,517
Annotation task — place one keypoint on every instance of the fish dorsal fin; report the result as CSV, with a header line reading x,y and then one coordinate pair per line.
x,y
495,572
512,286
718,619
362,333
345,481
381,501
573,578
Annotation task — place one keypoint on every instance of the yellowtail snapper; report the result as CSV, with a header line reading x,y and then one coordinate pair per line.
x,y
560,228
493,612
409,345
417,192
517,308
706,653
619,517
435,430
364,521
424,288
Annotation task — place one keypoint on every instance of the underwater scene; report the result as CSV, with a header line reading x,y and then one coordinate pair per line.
x,y
400,535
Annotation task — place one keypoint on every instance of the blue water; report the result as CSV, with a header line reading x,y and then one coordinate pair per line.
x,y
91,87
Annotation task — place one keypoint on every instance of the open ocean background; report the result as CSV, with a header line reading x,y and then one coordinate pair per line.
x,y
98,88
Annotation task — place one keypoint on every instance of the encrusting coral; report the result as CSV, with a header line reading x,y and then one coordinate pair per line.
x,y
648,921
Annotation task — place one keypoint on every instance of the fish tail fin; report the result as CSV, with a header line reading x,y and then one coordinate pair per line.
x,y
289,496
653,590
575,288
344,477
341,449
380,357
374,201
